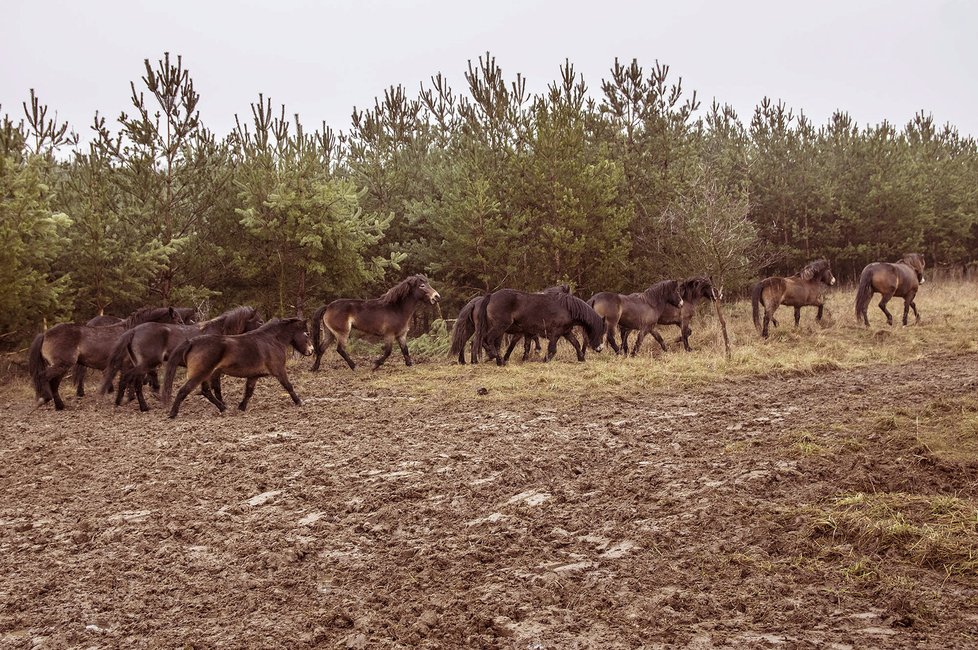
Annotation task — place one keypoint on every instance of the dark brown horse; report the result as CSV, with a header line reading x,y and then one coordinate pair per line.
x,y
693,291
899,279
465,327
53,353
256,354
388,317
804,289
636,311
552,316
146,347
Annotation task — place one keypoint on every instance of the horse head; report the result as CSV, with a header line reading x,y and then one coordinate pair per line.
x,y
916,262
819,271
301,340
423,289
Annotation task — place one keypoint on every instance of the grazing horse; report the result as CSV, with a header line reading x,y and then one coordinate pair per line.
x,y
693,291
636,311
55,351
255,354
551,315
899,279
146,347
465,327
803,289
388,317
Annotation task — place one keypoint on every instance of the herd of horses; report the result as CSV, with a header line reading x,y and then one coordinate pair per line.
x,y
238,343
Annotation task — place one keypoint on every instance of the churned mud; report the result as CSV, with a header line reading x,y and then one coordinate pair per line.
x,y
369,518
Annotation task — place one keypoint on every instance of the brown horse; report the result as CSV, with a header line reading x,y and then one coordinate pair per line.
x,y
53,353
693,291
388,317
899,279
552,315
253,355
803,289
146,347
465,327
636,311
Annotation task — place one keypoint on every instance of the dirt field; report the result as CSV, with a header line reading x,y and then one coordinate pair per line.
x,y
791,509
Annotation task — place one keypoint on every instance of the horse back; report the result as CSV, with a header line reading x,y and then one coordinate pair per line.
x,y
606,304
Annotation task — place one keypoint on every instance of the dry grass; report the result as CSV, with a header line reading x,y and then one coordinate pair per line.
x,y
949,313
933,531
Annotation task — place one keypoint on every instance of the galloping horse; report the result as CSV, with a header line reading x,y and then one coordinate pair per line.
x,y
804,289
551,315
388,317
256,354
145,347
465,327
636,311
693,291
899,279
53,353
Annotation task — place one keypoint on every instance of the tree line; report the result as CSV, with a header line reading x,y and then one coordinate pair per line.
x,y
489,186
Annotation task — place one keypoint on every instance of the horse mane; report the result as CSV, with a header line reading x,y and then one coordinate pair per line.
x,y
813,269
914,261
144,315
400,291
690,288
657,292
233,320
580,311
558,288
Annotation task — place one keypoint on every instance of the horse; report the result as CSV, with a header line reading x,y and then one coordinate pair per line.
x,y
551,315
692,290
388,317
803,289
900,279
142,349
636,311
465,327
54,352
255,354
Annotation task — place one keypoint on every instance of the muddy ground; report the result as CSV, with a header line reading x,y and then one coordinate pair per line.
x,y
366,518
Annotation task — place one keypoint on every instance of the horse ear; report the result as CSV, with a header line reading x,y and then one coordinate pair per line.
x,y
173,312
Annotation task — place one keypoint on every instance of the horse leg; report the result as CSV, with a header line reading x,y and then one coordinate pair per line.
x,y
512,345
206,389
388,348
287,385
215,384
328,338
186,389
885,299
551,348
154,381
341,348
768,318
686,330
80,379
638,341
818,316
797,316
59,404
402,343
624,340
250,384
577,346
658,338
913,305
136,384
610,337
527,342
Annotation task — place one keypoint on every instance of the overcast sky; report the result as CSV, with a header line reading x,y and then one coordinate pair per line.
x,y
877,60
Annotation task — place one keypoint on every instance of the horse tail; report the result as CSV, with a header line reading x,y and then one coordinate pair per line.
x,y
120,353
179,357
36,365
864,292
317,329
482,326
757,300
464,327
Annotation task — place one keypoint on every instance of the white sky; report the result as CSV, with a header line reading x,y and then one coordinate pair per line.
x,y
876,59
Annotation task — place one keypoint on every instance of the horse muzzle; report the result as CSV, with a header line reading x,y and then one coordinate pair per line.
x,y
435,297
599,348
832,283
309,350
